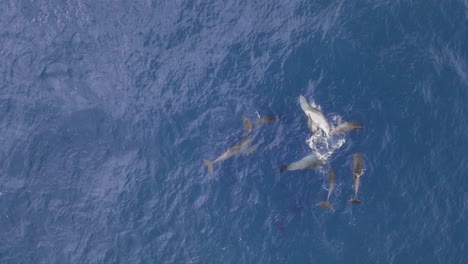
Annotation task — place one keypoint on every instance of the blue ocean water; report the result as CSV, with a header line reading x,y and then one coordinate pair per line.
x,y
107,110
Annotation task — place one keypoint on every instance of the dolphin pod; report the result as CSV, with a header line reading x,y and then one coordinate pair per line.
x,y
317,123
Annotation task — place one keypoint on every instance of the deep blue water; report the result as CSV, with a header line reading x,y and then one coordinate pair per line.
x,y
107,109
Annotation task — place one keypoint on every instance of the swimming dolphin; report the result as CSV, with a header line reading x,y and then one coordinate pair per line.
x,y
315,117
311,125
241,146
358,171
308,162
346,127
248,124
331,188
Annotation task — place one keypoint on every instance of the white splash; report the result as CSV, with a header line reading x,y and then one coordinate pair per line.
x,y
322,146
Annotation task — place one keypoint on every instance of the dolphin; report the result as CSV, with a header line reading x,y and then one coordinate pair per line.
x,y
358,171
248,124
308,162
315,117
311,125
331,188
242,146
346,127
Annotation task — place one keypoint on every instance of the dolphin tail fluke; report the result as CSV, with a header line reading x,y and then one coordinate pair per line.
x,y
209,165
283,168
248,125
355,201
326,204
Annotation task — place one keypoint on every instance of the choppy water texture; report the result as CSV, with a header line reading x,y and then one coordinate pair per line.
x,y
108,108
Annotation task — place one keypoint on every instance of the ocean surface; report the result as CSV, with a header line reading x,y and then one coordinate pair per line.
x,y
108,109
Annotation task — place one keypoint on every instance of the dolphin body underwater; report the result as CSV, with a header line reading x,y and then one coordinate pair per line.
x,y
243,145
358,171
346,127
308,162
248,124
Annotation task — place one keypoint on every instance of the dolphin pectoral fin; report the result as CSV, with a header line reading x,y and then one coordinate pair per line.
x,y
283,168
209,165
248,125
355,201
326,204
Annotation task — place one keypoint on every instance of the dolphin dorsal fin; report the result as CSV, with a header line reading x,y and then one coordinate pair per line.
x,y
313,105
